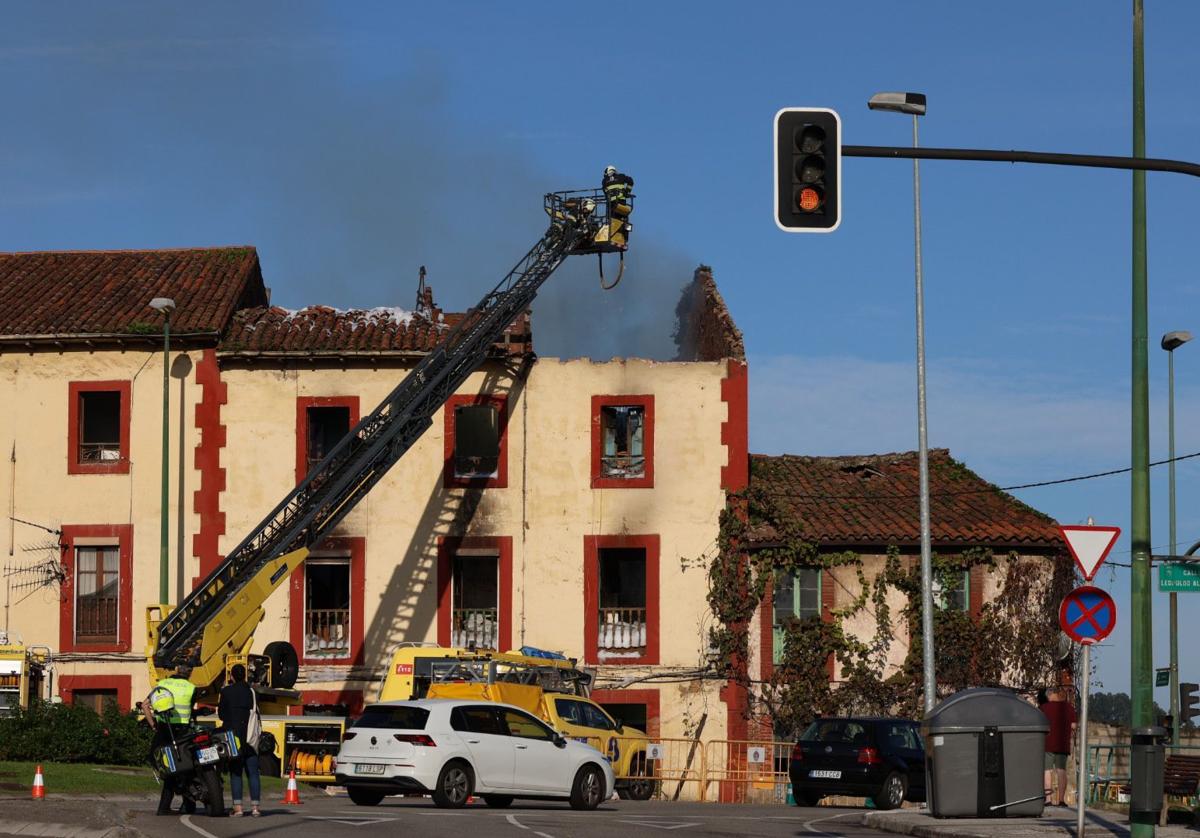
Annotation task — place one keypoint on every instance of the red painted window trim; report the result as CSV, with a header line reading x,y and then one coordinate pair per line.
x,y
975,580
206,500
356,546
353,699
122,534
646,481
591,595
303,403
449,480
651,698
123,684
447,547
74,389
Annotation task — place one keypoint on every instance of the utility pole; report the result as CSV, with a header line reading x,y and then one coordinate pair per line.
x,y
1141,681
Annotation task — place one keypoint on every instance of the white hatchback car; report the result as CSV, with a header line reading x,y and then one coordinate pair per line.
x,y
454,749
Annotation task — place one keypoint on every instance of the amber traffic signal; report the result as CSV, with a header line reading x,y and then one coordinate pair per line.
x,y
808,167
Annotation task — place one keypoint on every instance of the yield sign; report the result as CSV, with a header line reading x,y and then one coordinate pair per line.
x,y
1090,546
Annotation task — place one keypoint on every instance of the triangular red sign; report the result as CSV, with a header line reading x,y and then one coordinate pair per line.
x,y
1090,546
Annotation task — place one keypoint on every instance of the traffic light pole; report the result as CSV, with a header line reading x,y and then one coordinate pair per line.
x,y
1095,161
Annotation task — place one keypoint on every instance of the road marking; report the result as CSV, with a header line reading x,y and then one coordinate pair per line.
x,y
808,824
359,821
186,820
660,824
513,820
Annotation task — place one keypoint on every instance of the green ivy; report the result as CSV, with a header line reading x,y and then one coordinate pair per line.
x,y
1013,641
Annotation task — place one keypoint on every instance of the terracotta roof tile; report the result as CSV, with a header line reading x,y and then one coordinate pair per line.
x,y
874,499
80,293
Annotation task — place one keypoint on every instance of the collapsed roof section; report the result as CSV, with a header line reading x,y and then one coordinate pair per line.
x,y
704,329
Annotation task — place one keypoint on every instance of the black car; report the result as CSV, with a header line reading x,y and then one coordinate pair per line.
x,y
883,759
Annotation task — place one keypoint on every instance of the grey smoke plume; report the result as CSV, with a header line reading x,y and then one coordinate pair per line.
x,y
176,129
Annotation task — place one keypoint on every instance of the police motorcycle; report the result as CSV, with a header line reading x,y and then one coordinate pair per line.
x,y
194,761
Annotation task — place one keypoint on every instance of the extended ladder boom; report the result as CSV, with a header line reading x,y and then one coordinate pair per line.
x,y
579,224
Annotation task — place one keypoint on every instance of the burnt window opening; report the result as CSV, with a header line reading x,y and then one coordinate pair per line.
x,y
622,434
99,426
327,612
635,715
475,598
326,428
97,593
622,599
476,440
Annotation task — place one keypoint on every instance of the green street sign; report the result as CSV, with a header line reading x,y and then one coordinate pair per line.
x,y
1162,677
1178,576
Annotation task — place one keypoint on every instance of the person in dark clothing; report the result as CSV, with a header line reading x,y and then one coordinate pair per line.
x,y
235,709
1058,745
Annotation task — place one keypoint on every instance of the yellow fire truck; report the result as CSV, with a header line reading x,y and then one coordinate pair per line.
x,y
22,675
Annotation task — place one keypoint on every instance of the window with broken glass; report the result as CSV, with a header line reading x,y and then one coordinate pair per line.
x,y
476,440
622,623
327,611
475,598
797,597
97,593
326,427
622,454
99,426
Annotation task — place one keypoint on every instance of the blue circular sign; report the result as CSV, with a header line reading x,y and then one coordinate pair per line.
x,y
1087,614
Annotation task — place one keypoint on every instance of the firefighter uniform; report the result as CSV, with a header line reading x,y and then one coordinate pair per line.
x,y
618,189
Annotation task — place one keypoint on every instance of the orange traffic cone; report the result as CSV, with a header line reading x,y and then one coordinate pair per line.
x,y
39,785
292,795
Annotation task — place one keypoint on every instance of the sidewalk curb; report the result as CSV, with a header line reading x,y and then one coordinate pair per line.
x,y
892,822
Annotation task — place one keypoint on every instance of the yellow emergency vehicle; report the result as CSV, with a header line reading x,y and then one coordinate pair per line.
x,y
22,675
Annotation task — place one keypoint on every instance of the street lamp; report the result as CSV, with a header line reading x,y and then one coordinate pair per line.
x,y
1170,342
165,305
914,104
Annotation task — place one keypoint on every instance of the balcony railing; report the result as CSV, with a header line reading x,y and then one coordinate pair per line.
x,y
327,633
96,619
622,629
99,452
478,626
623,465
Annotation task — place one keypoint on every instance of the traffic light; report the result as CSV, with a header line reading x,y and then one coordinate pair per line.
x,y
808,169
1188,701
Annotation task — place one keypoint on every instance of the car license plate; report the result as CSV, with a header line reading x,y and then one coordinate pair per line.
x,y
364,768
206,755
825,775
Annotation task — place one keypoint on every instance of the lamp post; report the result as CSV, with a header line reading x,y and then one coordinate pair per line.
x,y
914,104
1170,342
166,305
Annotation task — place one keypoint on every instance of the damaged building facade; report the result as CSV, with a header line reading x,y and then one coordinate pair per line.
x,y
564,504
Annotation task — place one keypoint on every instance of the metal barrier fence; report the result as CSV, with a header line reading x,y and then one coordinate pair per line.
x,y
1108,770
746,771
664,768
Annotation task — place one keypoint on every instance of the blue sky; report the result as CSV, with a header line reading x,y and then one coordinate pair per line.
x,y
352,144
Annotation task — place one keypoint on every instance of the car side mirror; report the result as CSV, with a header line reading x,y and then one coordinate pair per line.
x,y
620,729
560,741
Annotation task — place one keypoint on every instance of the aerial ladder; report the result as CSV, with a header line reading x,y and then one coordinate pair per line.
x,y
213,627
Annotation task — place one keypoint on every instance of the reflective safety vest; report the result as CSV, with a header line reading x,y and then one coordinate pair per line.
x,y
179,712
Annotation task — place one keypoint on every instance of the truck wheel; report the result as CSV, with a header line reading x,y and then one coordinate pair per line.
x,y
587,792
214,795
891,795
644,786
285,665
364,797
454,785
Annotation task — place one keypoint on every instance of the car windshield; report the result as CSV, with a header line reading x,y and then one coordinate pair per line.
x,y
401,718
837,730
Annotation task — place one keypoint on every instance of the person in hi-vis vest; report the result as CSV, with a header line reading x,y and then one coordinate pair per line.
x,y
170,705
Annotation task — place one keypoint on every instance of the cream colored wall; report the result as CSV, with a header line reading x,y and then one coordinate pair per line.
x,y
37,488
547,508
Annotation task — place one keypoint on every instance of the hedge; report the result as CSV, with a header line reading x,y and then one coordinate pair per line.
x,y
74,733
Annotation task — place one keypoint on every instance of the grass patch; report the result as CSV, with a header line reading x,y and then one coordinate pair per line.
x,y
16,778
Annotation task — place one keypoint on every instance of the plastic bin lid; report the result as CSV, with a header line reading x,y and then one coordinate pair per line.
x,y
973,710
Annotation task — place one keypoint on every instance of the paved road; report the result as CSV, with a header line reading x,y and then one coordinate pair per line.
x,y
336,817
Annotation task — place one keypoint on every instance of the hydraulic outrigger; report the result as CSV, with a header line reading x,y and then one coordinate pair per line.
x,y
213,628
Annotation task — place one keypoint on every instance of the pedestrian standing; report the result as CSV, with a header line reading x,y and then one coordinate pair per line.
x,y
1061,715
238,711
